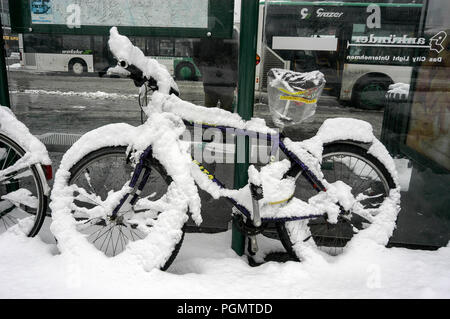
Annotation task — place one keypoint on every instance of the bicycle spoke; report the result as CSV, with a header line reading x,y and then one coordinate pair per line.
x,y
368,186
98,184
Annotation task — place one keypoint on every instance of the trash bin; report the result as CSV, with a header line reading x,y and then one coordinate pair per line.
x,y
395,117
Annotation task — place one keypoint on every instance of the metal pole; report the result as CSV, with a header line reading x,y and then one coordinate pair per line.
x,y
4,91
246,91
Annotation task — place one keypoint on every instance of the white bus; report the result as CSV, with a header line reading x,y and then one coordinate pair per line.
x,y
80,54
361,46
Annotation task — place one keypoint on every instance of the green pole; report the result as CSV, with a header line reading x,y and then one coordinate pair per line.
x,y
246,91
4,91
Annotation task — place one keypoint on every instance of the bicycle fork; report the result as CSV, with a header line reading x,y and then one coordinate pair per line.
x,y
137,183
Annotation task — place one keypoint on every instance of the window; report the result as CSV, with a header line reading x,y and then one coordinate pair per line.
x,y
43,43
75,42
166,47
183,48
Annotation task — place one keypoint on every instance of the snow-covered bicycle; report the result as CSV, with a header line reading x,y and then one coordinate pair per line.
x,y
127,191
24,170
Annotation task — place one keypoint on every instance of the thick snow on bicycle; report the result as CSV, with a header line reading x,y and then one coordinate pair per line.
x,y
24,170
126,192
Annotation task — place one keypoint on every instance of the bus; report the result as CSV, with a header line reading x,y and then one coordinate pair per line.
x,y
361,46
80,54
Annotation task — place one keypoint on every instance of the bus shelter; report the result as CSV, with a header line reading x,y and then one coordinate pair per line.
x,y
385,62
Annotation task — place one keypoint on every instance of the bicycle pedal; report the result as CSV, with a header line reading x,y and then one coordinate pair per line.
x,y
252,247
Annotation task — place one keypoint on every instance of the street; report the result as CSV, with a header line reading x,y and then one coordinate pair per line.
x,y
70,104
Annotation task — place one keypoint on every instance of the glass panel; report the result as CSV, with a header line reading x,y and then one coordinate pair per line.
x,y
62,85
166,47
183,48
363,47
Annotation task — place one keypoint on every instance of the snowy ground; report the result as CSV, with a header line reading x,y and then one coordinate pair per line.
x,y
207,268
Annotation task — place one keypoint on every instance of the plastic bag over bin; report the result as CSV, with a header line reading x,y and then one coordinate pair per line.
x,y
293,96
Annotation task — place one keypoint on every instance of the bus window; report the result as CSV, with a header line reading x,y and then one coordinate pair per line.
x,y
44,43
183,48
153,46
76,42
166,47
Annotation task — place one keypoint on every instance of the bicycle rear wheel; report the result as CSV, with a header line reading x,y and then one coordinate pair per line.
x,y
369,179
100,175
22,198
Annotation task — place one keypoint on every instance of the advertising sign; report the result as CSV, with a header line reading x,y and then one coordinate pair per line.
x,y
136,13
189,18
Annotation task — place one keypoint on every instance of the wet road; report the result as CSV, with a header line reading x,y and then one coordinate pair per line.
x,y
70,104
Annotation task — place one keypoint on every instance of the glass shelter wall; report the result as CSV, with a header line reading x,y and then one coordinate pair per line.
x,y
64,85
366,49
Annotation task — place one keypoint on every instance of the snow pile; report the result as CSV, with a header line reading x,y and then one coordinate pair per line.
x,y
90,95
213,116
206,267
14,66
275,187
17,131
123,49
117,70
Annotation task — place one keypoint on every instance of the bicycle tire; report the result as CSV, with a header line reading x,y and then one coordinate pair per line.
x,y
324,241
120,151
37,191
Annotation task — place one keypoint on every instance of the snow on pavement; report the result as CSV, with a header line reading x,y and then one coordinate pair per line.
x,y
207,268
90,95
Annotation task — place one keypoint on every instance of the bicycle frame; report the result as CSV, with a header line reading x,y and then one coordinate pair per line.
x,y
142,172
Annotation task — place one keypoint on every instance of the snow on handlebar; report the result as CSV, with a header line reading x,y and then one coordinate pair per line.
x,y
133,60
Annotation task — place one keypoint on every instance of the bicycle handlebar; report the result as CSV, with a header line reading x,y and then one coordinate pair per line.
x,y
139,79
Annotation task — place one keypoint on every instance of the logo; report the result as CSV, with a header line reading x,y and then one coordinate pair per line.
x,y
304,13
321,13
405,41
391,39
437,40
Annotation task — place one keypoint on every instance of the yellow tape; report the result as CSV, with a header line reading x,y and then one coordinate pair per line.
x,y
281,201
299,99
291,93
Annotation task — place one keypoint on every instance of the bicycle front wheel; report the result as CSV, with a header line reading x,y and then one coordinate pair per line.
x,y
22,198
370,181
100,175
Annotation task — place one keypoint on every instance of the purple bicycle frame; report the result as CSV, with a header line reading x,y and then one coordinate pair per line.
x,y
297,165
